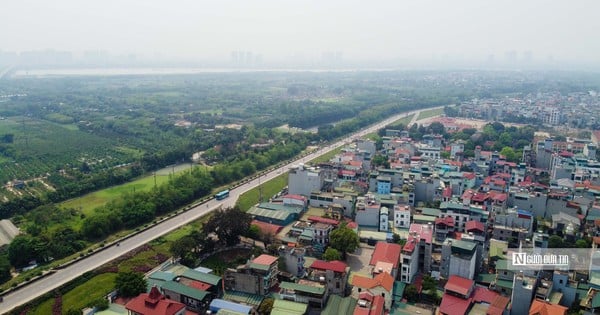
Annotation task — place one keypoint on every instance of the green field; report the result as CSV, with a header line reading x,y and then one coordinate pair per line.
x,y
82,295
430,113
89,202
402,121
327,156
270,188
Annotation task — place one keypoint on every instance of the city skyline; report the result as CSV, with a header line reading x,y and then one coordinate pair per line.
x,y
384,33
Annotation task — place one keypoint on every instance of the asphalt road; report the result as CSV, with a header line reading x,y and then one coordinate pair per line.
x,y
93,261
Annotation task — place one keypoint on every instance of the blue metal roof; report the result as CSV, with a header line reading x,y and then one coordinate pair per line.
x,y
218,304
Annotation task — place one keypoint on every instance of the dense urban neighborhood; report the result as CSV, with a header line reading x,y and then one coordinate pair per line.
x,y
473,194
417,219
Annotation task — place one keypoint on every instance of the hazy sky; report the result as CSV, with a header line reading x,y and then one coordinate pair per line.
x,y
360,29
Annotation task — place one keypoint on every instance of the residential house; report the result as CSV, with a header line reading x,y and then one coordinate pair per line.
x,y
462,213
194,299
305,291
332,274
541,307
257,276
444,228
154,303
416,252
389,253
402,216
381,285
303,180
293,259
524,288
477,230
369,304
457,296
459,258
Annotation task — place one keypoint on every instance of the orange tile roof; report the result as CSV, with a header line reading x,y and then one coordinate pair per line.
x,y
265,259
383,279
539,307
498,305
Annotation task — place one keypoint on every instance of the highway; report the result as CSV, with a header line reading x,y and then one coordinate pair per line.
x,y
61,276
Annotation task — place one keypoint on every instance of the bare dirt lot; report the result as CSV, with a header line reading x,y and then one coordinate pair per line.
x,y
8,231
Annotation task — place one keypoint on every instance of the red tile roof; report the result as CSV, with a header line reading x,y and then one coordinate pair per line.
x,y
468,194
409,246
498,305
386,252
469,175
447,192
424,231
447,221
484,295
474,225
498,196
199,285
480,197
267,228
347,173
354,163
383,279
459,285
453,305
378,305
154,303
546,308
314,218
265,259
336,265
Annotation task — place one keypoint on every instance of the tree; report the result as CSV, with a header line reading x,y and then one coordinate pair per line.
x,y
344,239
429,283
510,154
254,232
130,284
184,248
582,244
332,254
228,224
24,249
411,293
555,241
380,160
4,269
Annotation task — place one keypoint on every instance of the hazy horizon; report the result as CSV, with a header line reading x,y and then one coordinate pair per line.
x,y
265,32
